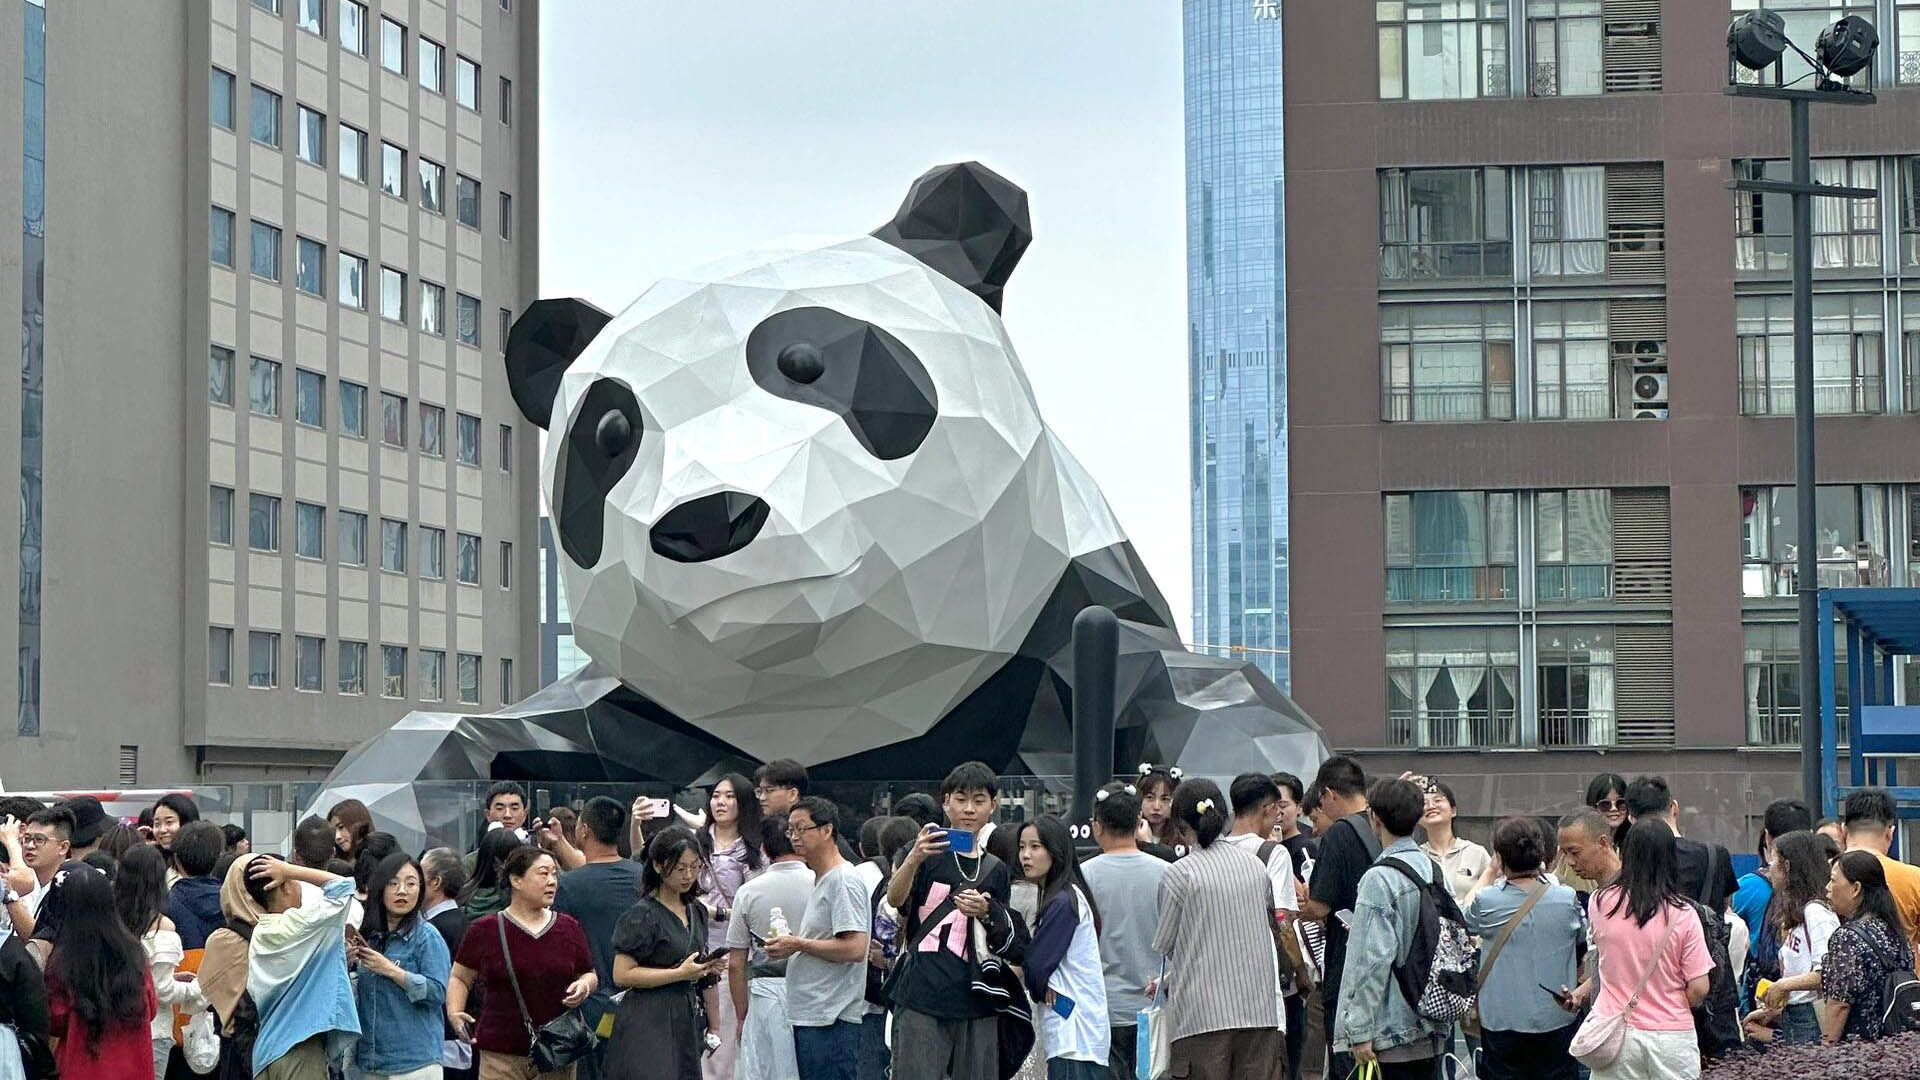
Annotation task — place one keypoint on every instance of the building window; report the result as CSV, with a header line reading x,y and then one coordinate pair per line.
x,y
393,170
309,530
1847,353
353,410
1565,53
1852,525
433,426
264,251
506,100
1909,170
393,671
271,7
220,237
1572,362
1567,221
310,137
393,294
312,17
310,266
264,119
433,62
353,27
506,680
220,100
1846,232
1451,49
1574,665
393,546
466,83
353,281
1573,545
469,439
467,672
433,309
506,216
220,376
506,564
1447,361
309,398
466,201
1452,547
1453,686
393,415
353,667
1442,224
353,153
307,663
433,553
263,386
220,655
1909,349
467,319
506,448
433,674
263,522
469,559
506,327
220,514
353,538
393,46
1770,668
433,187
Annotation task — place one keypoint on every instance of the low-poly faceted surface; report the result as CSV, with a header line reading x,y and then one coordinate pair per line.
x,y
809,510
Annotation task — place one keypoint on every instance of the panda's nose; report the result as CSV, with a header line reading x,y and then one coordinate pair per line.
x,y
709,526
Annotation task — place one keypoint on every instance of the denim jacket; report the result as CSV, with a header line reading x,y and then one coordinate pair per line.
x,y
1386,913
400,1027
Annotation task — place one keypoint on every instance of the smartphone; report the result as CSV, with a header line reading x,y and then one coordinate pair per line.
x,y
1564,999
662,807
959,841
711,955
1062,1006
542,803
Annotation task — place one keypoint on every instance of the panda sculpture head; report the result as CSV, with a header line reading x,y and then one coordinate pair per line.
x,y
803,495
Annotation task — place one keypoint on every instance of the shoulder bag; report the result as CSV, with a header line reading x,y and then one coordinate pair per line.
x,y
1472,1022
1598,1043
559,1042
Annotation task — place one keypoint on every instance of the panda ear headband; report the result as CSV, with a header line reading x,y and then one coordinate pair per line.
x,y
964,221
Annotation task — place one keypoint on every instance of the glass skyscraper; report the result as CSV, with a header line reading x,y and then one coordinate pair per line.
x,y
1236,329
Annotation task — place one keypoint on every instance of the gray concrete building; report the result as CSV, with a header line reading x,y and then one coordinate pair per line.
x,y
273,491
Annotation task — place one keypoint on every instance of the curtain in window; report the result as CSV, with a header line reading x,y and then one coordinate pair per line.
x,y
1395,262
1448,529
1439,708
1830,218
1600,704
1585,218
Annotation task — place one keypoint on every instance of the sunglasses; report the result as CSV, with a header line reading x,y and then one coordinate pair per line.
x,y
1610,804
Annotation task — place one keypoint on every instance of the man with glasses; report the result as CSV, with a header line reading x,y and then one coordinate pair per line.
x,y
46,841
827,956
779,784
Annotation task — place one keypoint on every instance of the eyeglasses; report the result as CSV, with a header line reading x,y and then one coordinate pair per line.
x,y
1610,804
29,840
795,832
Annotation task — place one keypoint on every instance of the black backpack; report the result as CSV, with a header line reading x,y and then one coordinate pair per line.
x,y
1441,975
1716,1020
1899,994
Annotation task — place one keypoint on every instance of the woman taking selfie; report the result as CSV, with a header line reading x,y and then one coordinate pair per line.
x,y
548,955
1062,970
403,964
659,1032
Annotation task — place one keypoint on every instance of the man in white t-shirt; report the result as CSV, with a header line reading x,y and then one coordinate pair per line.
x,y
1256,810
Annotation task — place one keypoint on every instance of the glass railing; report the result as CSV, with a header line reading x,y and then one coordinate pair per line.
x,y
1450,584
1440,262
1560,582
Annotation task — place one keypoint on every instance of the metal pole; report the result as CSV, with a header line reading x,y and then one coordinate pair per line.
x,y
1807,512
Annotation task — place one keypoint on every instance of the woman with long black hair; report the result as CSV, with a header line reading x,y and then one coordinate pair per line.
x,y
169,813
404,967
1156,786
1803,923
1607,793
1649,938
1062,969
100,999
658,1032
139,897
730,844
487,892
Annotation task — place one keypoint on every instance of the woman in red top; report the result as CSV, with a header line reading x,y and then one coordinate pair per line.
x,y
549,956
99,994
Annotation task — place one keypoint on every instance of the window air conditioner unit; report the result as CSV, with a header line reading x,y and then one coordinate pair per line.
x,y
1649,395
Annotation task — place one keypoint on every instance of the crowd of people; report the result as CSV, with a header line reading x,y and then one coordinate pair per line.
x,y
1276,929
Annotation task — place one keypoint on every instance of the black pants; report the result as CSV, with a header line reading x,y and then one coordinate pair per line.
x,y
1424,1069
1296,1033
1527,1055
1120,1052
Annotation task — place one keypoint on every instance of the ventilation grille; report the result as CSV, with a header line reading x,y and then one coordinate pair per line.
x,y
1636,222
1630,53
1637,320
1642,547
129,766
1643,682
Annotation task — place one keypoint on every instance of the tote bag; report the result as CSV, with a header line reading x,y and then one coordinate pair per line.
x,y
1600,1039
1153,1037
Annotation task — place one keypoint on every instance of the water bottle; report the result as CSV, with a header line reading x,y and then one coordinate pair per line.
x,y
777,919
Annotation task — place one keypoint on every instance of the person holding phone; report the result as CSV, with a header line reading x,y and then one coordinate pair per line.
x,y
1526,1017
660,960
404,967
1063,972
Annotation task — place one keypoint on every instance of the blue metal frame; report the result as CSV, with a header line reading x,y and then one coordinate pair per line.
x,y
1880,624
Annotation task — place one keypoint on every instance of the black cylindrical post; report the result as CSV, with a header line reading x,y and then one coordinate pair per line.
x,y
1807,534
1096,659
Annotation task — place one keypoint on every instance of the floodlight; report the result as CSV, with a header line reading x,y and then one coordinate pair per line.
x,y
1757,38
1847,46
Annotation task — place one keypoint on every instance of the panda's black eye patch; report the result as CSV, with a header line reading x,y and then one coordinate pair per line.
x,y
854,369
600,447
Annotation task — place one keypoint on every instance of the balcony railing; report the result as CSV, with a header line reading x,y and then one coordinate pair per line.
x,y
1546,78
1446,404
1441,262
1909,67
1763,579
1860,395
1464,728
1574,582
1573,403
1450,584
1576,727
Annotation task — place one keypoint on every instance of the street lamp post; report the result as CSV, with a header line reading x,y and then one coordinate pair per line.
x,y
1757,41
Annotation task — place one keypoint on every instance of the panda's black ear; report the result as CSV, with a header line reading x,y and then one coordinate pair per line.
x,y
967,222
544,340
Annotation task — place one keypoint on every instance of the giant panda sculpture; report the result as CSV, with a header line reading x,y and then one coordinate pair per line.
x,y
805,507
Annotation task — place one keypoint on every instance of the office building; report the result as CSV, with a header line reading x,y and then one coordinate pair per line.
x,y
273,490
1236,329
559,655
1541,390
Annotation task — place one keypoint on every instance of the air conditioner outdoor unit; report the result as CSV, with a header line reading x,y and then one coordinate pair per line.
x,y
1649,388
1649,412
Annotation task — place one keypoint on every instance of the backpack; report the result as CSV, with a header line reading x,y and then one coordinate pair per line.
x,y
1899,994
1440,976
1716,1020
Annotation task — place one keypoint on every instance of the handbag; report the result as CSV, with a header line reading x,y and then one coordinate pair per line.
x,y
1598,1043
1472,1022
1153,1037
560,1041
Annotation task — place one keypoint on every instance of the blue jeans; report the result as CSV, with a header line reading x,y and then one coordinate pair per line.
x,y
874,1056
828,1053
1799,1025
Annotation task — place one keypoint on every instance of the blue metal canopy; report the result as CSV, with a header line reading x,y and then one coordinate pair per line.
x,y
1878,624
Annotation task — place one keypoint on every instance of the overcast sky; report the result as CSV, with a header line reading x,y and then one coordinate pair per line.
x,y
679,130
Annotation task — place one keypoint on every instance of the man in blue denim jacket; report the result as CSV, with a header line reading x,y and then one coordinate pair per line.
x,y
1373,1019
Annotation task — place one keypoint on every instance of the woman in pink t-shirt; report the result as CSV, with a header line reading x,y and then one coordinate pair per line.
x,y
1641,926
